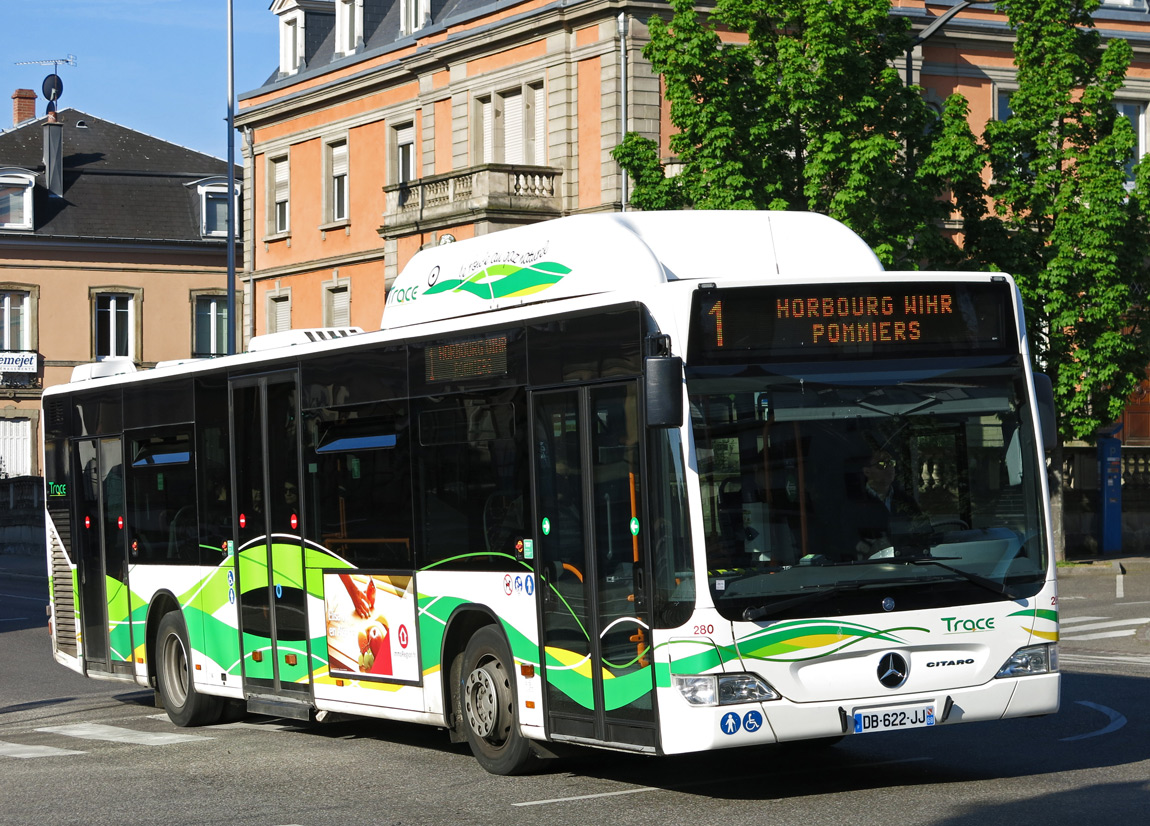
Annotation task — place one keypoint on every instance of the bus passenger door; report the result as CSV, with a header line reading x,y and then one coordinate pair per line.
x,y
102,555
590,548
270,565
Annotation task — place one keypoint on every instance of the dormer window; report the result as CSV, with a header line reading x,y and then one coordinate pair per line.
x,y
348,25
16,198
291,42
413,15
212,195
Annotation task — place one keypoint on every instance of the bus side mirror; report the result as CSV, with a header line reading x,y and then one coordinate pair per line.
x,y
1047,421
664,390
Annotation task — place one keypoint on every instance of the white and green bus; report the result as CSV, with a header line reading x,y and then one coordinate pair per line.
x,y
654,482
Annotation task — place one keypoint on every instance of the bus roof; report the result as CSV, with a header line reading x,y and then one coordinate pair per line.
x,y
601,253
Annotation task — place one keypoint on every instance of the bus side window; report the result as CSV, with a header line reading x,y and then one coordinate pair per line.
x,y
471,477
357,493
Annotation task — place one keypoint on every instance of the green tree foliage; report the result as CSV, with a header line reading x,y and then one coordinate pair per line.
x,y
1062,221
808,113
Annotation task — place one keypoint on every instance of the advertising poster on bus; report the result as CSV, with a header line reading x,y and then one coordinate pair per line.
x,y
371,626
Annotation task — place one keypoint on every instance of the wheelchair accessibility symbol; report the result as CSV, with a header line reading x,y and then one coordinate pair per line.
x,y
752,721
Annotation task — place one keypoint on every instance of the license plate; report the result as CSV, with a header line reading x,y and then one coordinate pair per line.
x,y
896,717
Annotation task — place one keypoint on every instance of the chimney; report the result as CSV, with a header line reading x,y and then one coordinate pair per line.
x,y
23,106
54,156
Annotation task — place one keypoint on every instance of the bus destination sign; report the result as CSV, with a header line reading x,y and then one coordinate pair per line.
x,y
844,320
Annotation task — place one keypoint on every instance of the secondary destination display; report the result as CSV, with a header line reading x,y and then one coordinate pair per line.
x,y
466,359
844,320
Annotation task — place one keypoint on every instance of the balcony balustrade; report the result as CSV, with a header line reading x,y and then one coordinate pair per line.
x,y
504,193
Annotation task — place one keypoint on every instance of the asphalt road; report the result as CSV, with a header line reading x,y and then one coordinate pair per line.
x,y
74,750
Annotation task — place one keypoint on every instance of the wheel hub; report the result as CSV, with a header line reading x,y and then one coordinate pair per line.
x,y
480,702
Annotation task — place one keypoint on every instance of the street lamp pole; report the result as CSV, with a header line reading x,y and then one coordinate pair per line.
x,y
231,321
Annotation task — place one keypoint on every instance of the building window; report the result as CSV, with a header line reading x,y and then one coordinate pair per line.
x,y
210,326
15,199
535,145
279,311
1136,114
511,126
214,211
348,25
279,217
291,43
405,153
337,302
115,325
413,15
337,196
14,327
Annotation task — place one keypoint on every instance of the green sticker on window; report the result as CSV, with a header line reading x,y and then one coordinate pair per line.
x,y
634,526
546,526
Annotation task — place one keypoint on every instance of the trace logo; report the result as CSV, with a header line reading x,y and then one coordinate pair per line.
x,y
958,625
501,280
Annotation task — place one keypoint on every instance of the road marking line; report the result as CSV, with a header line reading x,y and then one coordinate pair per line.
x,y
1088,659
1073,620
1098,626
1117,721
17,750
1119,588
115,734
1101,635
679,786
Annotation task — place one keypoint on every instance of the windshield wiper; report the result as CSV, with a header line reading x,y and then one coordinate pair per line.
x,y
980,581
823,592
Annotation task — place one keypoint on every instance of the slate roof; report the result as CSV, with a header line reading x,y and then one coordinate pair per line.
x,y
119,184
381,23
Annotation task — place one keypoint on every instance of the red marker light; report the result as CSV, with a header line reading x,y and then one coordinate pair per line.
x,y
120,522
87,521
294,521
243,521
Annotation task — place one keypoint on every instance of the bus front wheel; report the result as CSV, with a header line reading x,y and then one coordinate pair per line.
x,y
488,703
185,705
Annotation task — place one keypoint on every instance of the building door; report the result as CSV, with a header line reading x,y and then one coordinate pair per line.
x,y
590,549
102,557
270,576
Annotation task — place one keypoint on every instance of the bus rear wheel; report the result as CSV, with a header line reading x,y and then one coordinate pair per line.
x,y
185,706
488,704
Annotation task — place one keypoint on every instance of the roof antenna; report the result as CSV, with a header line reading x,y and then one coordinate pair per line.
x,y
53,86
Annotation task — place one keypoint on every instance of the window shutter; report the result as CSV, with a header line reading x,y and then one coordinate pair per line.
x,y
487,113
340,307
540,132
513,127
338,159
281,315
281,180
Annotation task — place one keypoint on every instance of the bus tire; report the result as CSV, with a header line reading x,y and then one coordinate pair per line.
x,y
185,706
487,689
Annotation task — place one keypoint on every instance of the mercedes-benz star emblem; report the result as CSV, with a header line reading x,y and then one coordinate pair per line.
x,y
892,670
887,604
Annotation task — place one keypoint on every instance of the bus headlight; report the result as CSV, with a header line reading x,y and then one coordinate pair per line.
x,y
1035,659
722,689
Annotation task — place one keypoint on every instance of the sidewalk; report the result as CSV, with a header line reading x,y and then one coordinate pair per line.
x,y
1105,564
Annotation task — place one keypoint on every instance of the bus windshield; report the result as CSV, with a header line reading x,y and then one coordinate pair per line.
x,y
832,489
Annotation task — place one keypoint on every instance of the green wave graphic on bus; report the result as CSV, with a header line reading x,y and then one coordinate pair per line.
x,y
1041,615
812,639
504,280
